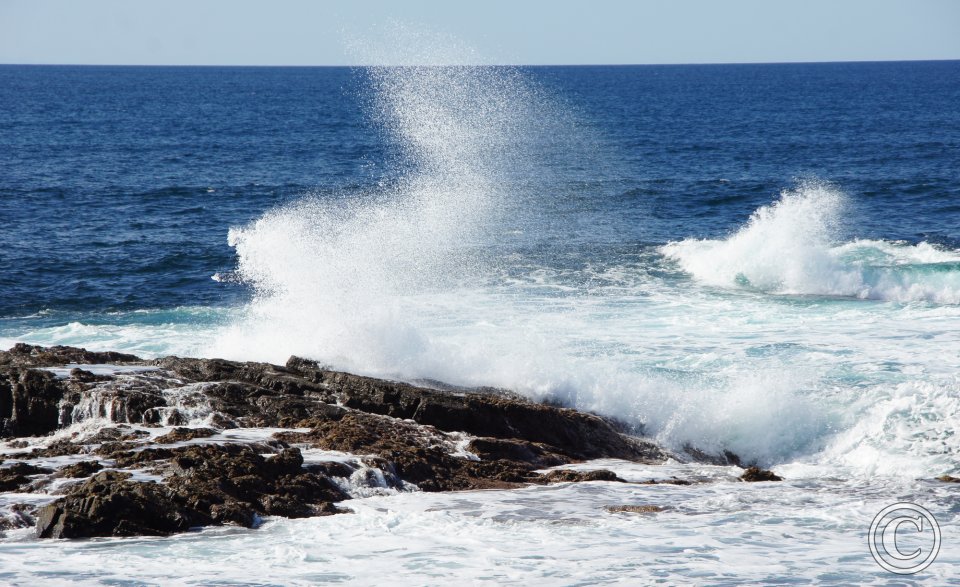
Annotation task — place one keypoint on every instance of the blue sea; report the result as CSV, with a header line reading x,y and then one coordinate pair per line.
x,y
762,259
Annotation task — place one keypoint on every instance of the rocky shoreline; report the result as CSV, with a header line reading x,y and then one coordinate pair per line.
x,y
108,444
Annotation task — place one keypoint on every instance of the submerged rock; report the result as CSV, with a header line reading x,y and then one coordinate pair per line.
x,y
753,474
568,476
635,509
183,434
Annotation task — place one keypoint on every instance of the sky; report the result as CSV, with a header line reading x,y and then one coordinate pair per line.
x,y
317,32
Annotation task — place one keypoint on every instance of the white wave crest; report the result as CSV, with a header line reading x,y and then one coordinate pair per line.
x,y
791,247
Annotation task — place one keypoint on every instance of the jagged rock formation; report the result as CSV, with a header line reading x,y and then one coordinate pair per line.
x,y
169,456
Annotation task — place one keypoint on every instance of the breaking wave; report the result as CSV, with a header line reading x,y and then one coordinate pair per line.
x,y
791,247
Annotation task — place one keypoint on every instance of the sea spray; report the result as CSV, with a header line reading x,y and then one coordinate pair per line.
x,y
409,279
795,247
333,277
398,282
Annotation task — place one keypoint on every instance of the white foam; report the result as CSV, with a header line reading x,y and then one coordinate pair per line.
x,y
721,532
98,369
333,275
790,247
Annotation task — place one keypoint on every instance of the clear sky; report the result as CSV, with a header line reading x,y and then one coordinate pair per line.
x,y
304,32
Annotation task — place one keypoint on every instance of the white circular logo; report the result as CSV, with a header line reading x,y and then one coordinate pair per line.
x,y
904,538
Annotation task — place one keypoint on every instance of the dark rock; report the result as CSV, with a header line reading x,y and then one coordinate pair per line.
x,y
184,434
81,469
78,374
948,479
29,403
635,509
237,478
575,434
120,402
17,476
115,449
726,458
208,484
249,404
539,455
416,454
140,458
108,504
25,355
754,474
27,469
119,433
673,481
567,476
272,379
57,448
408,434
331,469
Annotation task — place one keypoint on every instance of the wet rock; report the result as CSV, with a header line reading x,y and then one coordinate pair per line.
x,y
575,434
414,453
115,449
109,504
237,479
422,455
25,355
273,379
119,433
125,400
240,403
634,509
404,434
29,403
81,469
57,448
671,481
19,515
83,376
16,477
206,484
539,455
184,434
948,479
570,476
141,458
12,482
753,474
332,469
725,458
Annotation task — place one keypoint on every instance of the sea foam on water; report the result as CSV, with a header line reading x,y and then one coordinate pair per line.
x,y
405,280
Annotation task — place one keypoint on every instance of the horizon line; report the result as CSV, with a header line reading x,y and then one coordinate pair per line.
x,y
305,66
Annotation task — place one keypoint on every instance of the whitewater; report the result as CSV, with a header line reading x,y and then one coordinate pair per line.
x,y
796,339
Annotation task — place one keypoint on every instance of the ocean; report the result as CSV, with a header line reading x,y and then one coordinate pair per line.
x,y
762,259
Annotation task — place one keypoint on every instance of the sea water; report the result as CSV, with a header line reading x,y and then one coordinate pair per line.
x,y
762,259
